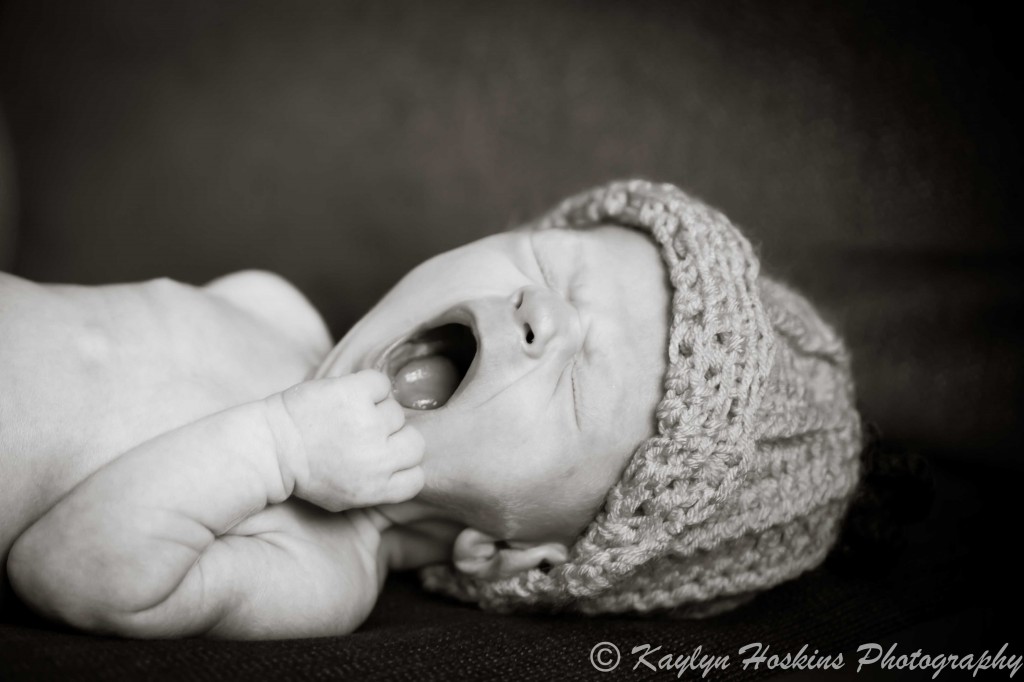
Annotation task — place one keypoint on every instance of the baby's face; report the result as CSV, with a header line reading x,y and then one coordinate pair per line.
x,y
554,342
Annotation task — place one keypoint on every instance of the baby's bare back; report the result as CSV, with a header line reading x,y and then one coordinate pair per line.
x,y
90,372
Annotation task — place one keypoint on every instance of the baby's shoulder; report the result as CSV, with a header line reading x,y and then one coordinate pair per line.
x,y
273,299
23,306
16,292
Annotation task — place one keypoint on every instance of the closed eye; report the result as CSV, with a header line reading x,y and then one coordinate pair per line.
x,y
572,366
575,394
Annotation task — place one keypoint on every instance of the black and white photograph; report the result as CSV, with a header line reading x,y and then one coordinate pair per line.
x,y
538,340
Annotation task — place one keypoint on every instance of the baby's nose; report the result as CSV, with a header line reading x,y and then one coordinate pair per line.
x,y
546,322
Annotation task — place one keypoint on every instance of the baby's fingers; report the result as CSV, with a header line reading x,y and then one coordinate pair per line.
x,y
392,415
405,448
404,485
376,384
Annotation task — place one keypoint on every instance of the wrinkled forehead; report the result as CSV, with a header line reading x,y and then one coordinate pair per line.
x,y
619,269
590,237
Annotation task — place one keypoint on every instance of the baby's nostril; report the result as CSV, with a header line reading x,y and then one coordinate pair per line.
x,y
519,299
529,333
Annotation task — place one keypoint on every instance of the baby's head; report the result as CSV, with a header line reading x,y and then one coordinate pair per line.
x,y
621,410
553,342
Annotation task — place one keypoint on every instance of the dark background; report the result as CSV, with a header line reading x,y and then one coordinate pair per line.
x,y
869,150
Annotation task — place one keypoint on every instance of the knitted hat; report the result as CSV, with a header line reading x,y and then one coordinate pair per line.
x,y
755,459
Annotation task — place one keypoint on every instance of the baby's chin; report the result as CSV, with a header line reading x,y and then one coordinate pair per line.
x,y
525,518
554,524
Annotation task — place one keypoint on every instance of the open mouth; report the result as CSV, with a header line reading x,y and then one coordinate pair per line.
x,y
429,366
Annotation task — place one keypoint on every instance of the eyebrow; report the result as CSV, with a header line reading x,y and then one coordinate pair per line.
x,y
575,251
578,262
537,259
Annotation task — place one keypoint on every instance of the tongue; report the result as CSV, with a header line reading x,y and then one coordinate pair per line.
x,y
425,383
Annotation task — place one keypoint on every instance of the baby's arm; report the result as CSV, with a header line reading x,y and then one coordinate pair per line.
x,y
178,536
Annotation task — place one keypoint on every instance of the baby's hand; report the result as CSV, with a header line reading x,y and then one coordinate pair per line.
x,y
347,442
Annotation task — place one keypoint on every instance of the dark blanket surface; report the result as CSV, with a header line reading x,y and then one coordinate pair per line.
x,y
869,150
942,597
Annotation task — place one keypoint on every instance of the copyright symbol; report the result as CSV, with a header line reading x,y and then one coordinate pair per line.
x,y
605,656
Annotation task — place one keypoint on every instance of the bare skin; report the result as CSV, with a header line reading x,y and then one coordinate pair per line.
x,y
171,469
188,468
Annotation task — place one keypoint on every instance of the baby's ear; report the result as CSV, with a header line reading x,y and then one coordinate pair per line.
x,y
482,556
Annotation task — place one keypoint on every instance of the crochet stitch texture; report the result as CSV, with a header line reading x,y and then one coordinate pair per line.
x,y
755,458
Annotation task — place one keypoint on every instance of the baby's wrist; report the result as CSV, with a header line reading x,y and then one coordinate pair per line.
x,y
287,444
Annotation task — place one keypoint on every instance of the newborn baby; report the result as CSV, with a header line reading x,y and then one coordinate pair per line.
x,y
182,460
